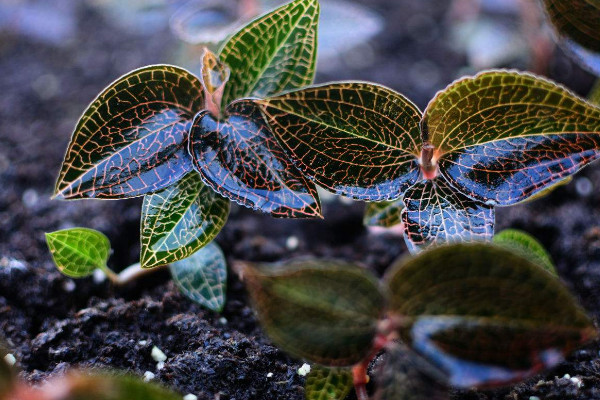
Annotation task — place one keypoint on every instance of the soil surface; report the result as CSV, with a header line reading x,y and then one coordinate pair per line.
x,y
53,323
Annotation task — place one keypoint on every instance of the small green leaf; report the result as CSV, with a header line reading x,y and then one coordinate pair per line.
x,y
77,252
384,214
180,220
484,315
324,311
203,277
527,246
324,383
274,53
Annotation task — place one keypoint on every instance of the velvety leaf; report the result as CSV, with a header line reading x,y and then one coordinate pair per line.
x,y
384,214
240,159
503,136
77,252
132,139
578,20
323,311
356,139
435,213
203,277
484,315
545,192
274,53
179,220
323,383
527,246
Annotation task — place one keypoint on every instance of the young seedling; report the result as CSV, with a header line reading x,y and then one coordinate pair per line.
x,y
473,316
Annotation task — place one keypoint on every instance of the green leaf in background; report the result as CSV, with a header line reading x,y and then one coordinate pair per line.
x,y
578,20
324,311
384,214
323,383
77,252
484,315
527,246
274,53
180,220
132,139
356,139
203,277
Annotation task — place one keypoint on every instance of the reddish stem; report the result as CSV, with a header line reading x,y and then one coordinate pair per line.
x,y
359,371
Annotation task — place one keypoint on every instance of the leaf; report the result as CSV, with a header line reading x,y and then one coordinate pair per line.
x,y
545,192
77,252
324,311
384,214
203,277
578,20
356,139
436,213
179,220
132,139
214,77
503,136
274,53
240,159
484,315
526,246
324,383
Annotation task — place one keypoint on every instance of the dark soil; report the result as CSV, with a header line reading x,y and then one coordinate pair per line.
x,y
52,326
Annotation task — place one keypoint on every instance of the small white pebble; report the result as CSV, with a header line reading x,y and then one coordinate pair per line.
x,y
567,376
160,365
304,370
190,397
270,375
292,243
534,398
10,359
148,376
577,382
69,286
99,276
143,342
158,355
223,321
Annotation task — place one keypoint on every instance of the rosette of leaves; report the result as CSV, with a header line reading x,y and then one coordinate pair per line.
x,y
469,315
494,139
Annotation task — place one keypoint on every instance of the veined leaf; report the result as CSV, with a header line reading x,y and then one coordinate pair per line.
x,y
77,252
323,311
436,213
578,20
356,139
179,220
527,246
323,383
274,53
132,139
240,159
503,136
203,277
384,214
485,315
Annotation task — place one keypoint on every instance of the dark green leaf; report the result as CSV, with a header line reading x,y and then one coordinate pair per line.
x,y
503,136
578,20
549,189
356,139
203,277
179,220
323,311
77,252
384,214
436,213
240,159
132,139
274,53
483,314
323,383
526,246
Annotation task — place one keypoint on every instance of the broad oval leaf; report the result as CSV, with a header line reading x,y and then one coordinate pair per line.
x,y
132,139
323,383
484,315
77,252
324,311
179,220
503,136
436,213
274,53
527,246
384,214
240,159
203,277
356,139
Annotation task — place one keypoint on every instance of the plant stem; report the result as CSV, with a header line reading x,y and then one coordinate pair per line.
x,y
129,274
110,274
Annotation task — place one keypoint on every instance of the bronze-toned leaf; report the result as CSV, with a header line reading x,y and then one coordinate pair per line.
x,y
324,311
503,136
132,139
240,159
483,314
357,139
526,246
274,53
325,383
179,220
436,213
578,20
384,214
